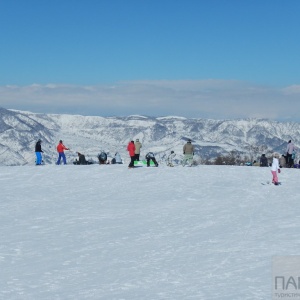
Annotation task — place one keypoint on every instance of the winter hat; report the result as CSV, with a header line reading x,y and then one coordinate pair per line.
x,y
61,141
172,152
276,155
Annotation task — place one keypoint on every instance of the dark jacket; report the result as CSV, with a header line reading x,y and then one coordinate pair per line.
x,y
263,161
38,147
82,160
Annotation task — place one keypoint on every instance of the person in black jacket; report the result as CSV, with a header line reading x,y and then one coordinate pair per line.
x,y
81,160
38,152
263,161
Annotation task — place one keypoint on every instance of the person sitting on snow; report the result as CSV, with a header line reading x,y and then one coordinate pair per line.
x,y
170,159
150,156
102,157
117,159
81,160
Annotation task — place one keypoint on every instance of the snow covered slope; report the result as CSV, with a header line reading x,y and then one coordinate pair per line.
x,y
20,130
106,232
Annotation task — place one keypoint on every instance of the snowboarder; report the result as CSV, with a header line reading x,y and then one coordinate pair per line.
x,y
275,168
170,159
131,150
38,152
151,156
188,152
61,155
137,151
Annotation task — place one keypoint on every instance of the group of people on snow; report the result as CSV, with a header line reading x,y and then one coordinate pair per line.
x,y
133,147
284,161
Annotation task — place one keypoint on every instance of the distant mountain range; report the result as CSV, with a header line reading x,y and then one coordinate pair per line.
x,y
19,131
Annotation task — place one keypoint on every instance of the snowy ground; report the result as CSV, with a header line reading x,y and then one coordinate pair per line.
x,y
107,232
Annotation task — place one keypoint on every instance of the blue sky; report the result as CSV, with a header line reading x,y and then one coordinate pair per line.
x,y
212,59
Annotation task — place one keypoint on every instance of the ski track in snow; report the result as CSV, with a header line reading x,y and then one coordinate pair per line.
x,y
107,232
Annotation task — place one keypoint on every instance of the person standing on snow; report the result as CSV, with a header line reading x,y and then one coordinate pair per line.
x,y
61,155
275,168
188,152
289,152
131,150
137,151
263,162
170,159
38,152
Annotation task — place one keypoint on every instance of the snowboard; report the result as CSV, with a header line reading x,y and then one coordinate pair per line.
x,y
143,163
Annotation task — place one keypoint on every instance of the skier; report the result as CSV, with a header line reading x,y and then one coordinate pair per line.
x,y
275,168
188,151
131,150
38,152
170,159
150,156
137,151
61,155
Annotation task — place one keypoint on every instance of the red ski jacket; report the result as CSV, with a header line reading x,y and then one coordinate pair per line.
x,y
131,149
61,147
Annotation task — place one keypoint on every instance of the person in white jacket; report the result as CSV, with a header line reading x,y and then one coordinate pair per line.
x,y
289,152
170,159
275,168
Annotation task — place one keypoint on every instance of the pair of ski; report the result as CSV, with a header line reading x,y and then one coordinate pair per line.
x,y
270,183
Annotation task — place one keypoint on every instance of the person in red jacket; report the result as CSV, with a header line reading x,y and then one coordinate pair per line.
x,y
131,150
61,155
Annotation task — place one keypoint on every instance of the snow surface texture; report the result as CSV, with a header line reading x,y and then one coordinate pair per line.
x,y
107,232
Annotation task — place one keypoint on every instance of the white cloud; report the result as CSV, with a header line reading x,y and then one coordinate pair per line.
x,y
293,89
222,99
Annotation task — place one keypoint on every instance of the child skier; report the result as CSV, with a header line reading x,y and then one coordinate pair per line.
x,y
275,168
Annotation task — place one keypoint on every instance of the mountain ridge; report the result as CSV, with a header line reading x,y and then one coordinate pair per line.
x,y
19,131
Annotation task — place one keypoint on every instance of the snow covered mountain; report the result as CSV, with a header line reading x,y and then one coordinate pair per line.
x,y
19,131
